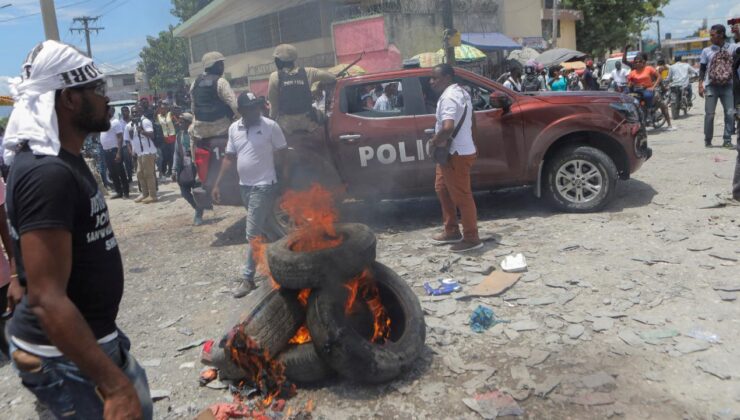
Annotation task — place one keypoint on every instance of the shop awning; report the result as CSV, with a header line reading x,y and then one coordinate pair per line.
x,y
489,41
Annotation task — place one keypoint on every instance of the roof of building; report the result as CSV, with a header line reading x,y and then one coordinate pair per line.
x,y
490,41
668,42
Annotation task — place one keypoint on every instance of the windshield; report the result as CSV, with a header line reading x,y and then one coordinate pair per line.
x,y
610,65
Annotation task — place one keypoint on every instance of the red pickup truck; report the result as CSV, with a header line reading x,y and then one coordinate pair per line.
x,y
571,146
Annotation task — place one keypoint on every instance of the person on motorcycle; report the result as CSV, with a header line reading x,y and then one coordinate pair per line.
x,y
645,79
532,81
619,77
679,79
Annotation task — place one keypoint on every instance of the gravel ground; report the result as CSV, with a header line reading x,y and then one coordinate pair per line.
x,y
618,315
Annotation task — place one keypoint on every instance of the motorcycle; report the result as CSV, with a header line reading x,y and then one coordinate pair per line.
x,y
650,116
680,99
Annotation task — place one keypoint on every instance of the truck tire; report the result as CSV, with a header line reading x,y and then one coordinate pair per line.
x,y
272,317
303,365
580,179
308,270
354,356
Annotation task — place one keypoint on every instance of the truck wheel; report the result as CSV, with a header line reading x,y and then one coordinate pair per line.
x,y
308,270
580,180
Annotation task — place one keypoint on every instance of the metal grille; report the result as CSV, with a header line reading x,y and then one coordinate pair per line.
x,y
300,23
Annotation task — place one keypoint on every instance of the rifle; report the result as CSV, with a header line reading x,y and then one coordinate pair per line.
x,y
344,71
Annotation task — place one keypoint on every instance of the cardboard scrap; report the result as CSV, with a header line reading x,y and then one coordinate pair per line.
x,y
494,284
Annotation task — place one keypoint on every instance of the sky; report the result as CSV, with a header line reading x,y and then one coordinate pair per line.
x,y
683,17
127,23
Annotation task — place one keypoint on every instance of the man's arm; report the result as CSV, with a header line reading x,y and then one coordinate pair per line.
x,y
448,126
318,75
624,55
47,255
226,164
273,95
227,95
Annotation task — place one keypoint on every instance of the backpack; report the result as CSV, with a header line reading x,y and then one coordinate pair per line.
x,y
720,71
531,83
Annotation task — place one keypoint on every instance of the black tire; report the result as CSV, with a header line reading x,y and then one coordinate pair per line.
x,y
659,118
303,365
272,317
568,200
352,355
675,106
308,270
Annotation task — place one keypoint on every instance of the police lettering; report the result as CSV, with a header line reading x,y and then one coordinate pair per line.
x,y
387,154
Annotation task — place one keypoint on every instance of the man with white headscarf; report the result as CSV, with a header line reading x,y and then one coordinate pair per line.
x,y
63,334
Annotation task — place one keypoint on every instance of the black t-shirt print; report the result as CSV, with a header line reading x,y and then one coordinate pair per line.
x,y
59,192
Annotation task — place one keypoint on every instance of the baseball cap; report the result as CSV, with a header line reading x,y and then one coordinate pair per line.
x,y
247,99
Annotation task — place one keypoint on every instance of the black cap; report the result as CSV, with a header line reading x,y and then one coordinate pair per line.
x,y
247,99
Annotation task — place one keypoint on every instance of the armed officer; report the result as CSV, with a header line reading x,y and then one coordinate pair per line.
x,y
213,102
289,92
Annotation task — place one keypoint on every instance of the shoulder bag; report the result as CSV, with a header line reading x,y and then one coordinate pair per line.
x,y
441,154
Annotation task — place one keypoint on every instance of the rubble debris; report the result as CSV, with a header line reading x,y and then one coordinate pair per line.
x,y
493,404
479,380
712,367
629,337
151,363
689,345
537,357
648,319
186,331
494,284
525,325
444,287
192,345
653,336
207,375
546,387
598,380
574,331
539,301
170,323
727,296
593,398
728,286
216,384
723,256
514,263
602,324
703,335
483,318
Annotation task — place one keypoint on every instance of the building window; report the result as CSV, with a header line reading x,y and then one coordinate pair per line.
x,y
300,23
129,81
547,29
258,32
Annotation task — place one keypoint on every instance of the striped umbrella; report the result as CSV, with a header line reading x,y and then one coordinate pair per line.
x,y
466,53
6,101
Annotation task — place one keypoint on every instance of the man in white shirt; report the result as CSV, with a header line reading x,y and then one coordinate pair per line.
x,y
254,140
619,76
452,183
142,141
385,101
112,142
679,76
127,152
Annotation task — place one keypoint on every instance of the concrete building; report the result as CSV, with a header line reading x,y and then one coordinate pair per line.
x,y
529,23
689,49
247,32
124,85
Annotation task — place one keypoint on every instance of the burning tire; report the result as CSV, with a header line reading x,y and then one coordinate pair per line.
x,y
353,355
312,269
272,317
303,365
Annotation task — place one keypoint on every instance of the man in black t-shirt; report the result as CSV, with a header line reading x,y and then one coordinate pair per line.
x,y
64,339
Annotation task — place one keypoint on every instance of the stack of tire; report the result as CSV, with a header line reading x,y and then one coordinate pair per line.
x,y
339,343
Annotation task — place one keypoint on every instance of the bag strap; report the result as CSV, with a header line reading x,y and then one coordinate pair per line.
x,y
459,124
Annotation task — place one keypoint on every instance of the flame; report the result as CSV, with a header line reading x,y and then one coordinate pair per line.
x,y
266,374
309,406
314,216
259,248
303,297
301,336
366,288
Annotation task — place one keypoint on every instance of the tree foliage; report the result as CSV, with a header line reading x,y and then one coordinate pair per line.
x,y
610,24
185,9
164,61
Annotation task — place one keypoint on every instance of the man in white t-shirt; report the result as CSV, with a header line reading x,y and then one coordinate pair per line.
x,y
254,140
619,76
112,142
385,101
452,182
142,142
127,152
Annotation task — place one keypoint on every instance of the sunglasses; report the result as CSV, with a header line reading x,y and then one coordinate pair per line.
x,y
99,87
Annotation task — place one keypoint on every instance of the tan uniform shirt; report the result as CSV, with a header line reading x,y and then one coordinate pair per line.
x,y
293,123
206,129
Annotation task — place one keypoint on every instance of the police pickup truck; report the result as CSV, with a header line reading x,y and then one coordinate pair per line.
x,y
571,146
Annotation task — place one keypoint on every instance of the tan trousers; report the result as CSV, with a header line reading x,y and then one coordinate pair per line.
x,y
145,175
452,185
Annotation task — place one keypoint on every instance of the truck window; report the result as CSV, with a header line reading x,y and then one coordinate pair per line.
x,y
379,99
480,95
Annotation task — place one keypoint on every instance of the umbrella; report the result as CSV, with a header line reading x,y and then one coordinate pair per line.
x,y
558,55
6,101
524,55
354,70
466,53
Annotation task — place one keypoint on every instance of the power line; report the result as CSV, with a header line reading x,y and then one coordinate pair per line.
x,y
85,21
38,13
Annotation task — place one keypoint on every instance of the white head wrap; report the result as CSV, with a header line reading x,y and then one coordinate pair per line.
x,y
49,67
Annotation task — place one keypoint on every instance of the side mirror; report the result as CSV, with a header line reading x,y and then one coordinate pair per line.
x,y
500,101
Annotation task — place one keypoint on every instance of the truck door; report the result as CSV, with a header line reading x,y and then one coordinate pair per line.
x,y
499,134
374,136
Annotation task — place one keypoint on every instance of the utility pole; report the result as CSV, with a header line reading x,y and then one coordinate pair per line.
x,y
448,22
85,21
554,23
660,47
49,17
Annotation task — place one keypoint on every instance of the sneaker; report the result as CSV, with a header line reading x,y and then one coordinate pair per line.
x,y
197,220
139,199
244,288
707,144
149,200
465,246
671,128
728,145
126,196
447,238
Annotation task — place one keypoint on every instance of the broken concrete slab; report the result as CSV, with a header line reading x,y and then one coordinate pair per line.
x,y
598,380
733,286
525,325
574,331
479,380
687,345
727,296
537,357
629,337
159,394
653,336
626,285
649,319
566,297
191,345
602,324
574,318
723,256
151,363
538,301
713,367
557,284
554,323
593,399
493,404
170,323
543,389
